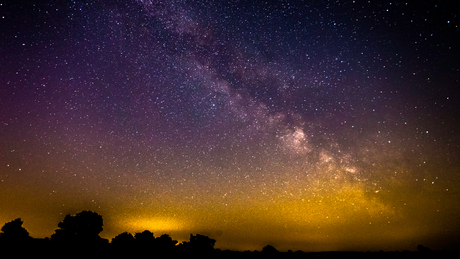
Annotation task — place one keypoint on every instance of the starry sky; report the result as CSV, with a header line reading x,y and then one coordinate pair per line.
x,y
311,125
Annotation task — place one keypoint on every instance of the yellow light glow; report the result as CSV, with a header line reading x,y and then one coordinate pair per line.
x,y
154,224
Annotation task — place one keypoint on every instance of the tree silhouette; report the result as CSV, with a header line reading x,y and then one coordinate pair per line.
x,y
269,249
13,239
165,242
84,227
145,238
123,240
199,244
14,232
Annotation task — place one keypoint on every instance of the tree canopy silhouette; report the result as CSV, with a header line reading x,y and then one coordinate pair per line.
x,y
144,241
165,242
145,238
13,231
269,249
124,239
199,244
84,227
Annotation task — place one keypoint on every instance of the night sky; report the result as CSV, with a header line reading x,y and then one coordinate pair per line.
x,y
311,125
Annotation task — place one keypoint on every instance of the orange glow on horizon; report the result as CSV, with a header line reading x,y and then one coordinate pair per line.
x,y
153,224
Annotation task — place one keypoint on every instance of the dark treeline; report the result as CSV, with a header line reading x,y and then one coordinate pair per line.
x,y
77,236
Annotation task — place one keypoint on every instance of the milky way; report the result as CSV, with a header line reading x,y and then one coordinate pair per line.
x,y
317,125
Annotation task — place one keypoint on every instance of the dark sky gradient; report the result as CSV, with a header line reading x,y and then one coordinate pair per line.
x,y
312,125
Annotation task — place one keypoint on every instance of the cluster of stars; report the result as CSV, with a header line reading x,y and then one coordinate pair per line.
x,y
292,122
